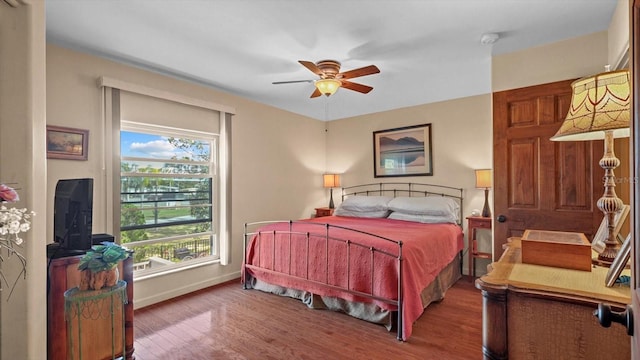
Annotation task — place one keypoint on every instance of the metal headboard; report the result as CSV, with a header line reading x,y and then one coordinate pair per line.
x,y
397,189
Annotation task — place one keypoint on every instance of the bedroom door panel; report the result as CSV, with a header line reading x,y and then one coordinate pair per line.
x,y
538,183
635,171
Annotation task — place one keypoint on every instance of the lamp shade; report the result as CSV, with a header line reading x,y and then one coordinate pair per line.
x,y
600,109
598,103
483,178
328,86
331,180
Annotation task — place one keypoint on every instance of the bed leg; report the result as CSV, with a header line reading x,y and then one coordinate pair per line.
x,y
243,276
245,280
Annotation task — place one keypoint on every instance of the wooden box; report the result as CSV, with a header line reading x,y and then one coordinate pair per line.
x,y
568,250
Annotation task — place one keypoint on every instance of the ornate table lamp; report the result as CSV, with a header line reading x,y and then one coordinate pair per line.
x,y
483,181
330,181
600,109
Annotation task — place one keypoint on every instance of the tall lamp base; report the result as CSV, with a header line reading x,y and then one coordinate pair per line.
x,y
331,206
486,212
609,203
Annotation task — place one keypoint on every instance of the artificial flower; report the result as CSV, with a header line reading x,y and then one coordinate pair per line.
x,y
8,194
13,222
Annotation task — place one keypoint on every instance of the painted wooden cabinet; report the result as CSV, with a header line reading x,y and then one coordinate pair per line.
x,y
63,274
541,312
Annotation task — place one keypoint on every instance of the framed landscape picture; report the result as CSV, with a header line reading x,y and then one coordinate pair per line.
x,y
67,143
404,151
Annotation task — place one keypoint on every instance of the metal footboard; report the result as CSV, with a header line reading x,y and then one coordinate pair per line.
x,y
287,233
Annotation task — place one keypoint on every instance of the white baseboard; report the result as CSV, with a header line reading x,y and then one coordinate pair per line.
x,y
178,291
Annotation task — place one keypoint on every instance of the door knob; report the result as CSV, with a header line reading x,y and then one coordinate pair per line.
x,y
606,317
501,218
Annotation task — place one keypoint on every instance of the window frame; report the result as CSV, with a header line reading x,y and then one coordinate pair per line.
x,y
214,174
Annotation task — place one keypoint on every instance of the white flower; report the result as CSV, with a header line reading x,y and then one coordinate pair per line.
x,y
13,222
14,226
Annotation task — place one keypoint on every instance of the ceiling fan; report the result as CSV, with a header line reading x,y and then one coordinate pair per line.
x,y
331,78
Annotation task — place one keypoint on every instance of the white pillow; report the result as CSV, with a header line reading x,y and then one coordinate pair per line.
x,y
428,205
366,203
363,214
427,219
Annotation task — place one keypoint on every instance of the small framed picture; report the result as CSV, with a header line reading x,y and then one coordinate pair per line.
x,y
404,151
600,237
619,262
67,143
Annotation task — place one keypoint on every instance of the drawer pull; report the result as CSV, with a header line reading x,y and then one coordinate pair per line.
x,y
606,317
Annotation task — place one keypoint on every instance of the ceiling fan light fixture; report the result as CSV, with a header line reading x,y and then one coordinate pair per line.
x,y
328,87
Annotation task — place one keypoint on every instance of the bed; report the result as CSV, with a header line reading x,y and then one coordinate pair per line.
x,y
389,251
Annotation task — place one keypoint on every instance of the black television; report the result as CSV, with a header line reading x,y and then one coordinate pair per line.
x,y
72,214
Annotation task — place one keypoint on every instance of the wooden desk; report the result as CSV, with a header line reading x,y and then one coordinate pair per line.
x,y
473,224
540,312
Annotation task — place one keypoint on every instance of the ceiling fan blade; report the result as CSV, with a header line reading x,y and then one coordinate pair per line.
x,y
316,93
292,82
363,71
356,87
311,66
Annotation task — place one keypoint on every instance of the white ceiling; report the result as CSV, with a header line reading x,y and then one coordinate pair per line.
x,y
427,50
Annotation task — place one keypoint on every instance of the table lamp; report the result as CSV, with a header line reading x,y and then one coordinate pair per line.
x,y
330,181
483,181
600,109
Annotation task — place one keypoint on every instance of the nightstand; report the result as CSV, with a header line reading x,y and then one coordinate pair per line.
x,y
324,211
473,224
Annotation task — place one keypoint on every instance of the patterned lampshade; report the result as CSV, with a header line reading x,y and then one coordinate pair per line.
x,y
598,103
600,109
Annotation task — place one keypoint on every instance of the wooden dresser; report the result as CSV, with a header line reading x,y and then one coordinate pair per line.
x,y
63,275
540,312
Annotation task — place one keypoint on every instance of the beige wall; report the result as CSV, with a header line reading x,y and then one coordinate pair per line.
x,y
22,124
462,128
461,142
618,36
277,158
461,136
568,59
619,59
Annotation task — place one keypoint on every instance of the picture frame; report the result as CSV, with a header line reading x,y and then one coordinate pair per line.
x,y
619,263
67,143
404,151
597,244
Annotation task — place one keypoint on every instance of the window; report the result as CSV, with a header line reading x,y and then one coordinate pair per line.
x,y
168,196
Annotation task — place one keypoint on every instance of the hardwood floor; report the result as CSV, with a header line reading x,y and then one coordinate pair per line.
x,y
226,322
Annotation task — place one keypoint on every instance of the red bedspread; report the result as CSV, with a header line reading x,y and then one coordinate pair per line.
x,y
427,249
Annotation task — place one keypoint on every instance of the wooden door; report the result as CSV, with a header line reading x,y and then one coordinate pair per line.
x,y
538,183
635,170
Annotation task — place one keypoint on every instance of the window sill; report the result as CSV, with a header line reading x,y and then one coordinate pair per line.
x,y
171,269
